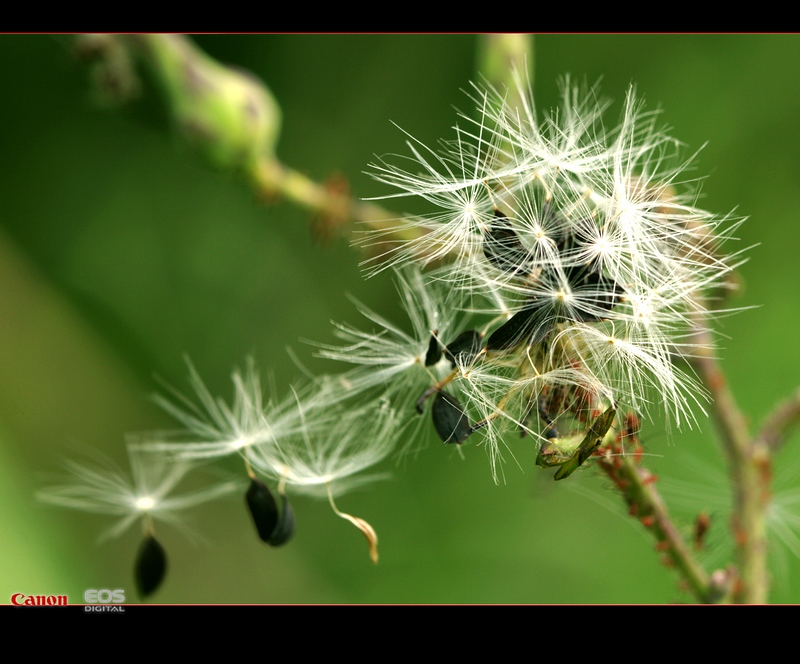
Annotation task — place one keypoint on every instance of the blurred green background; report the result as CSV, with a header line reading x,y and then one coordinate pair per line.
x,y
120,252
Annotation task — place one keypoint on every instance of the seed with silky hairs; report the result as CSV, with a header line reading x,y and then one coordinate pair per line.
x,y
449,419
263,509
464,347
602,291
502,246
525,326
151,566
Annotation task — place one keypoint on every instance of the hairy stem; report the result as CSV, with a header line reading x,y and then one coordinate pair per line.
x,y
750,466
637,486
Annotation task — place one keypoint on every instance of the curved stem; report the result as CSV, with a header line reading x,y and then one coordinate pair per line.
x,y
367,530
780,422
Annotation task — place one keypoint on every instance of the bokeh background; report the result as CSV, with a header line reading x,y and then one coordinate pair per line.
x,y
121,253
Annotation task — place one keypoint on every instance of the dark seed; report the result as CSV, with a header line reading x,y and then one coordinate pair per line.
x,y
595,289
151,566
434,353
285,529
449,419
263,509
502,247
513,331
523,326
464,347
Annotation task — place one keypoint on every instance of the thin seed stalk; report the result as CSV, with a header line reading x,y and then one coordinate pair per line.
x,y
274,180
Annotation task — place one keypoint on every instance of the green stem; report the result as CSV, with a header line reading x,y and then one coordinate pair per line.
x,y
501,56
232,120
780,422
336,210
750,464
637,486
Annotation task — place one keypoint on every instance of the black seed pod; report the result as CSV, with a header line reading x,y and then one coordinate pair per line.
x,y
595,289
523,326
151,566
449,419
263,509
285,529
502,246
434,353
464,347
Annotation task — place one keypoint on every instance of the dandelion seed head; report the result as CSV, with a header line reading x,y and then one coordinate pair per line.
x,y
582,243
